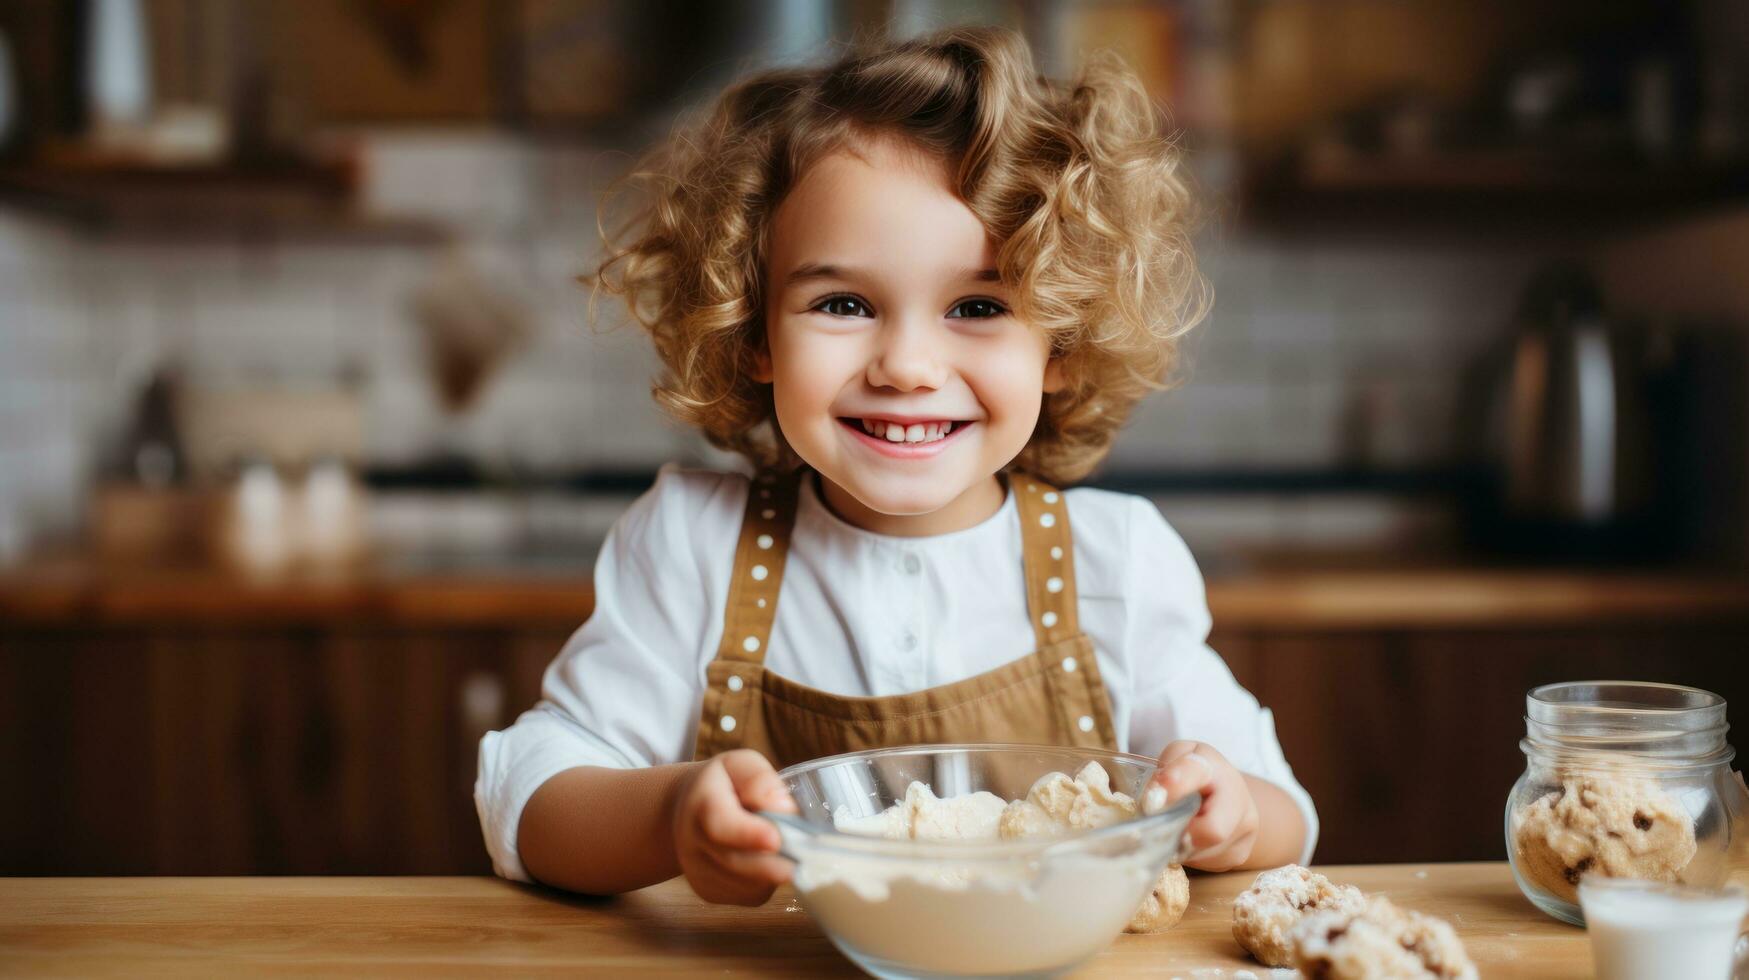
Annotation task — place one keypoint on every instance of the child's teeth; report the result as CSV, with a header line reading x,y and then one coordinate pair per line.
x,y
915,432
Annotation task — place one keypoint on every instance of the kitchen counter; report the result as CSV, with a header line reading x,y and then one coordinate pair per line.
x,y
72,589
430,927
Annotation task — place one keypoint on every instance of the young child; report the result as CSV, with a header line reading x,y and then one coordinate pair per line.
x,y
911,287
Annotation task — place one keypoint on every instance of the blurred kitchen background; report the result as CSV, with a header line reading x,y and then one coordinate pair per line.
x,y
307,443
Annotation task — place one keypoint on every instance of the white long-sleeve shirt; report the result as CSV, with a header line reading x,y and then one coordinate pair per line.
x,y
865,614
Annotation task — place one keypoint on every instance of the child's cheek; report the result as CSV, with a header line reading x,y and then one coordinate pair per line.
x,y
1012,385
808,374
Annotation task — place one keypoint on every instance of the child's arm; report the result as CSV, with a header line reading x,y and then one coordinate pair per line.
x,y
587,777
1186,702
604,831
1281,833
572,837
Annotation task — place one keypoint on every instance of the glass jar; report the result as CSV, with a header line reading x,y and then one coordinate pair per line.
x,y
1626,780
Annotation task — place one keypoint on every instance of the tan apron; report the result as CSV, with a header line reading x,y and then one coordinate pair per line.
x,y
1050,696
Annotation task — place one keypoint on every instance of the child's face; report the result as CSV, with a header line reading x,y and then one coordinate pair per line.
x,y
884,312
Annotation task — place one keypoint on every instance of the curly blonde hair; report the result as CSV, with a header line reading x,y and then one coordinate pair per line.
x,y
1076,182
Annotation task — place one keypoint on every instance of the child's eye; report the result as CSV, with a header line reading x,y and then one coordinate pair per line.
x,y
843,306
976,309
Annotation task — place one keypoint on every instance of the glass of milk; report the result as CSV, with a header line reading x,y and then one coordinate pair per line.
x,y
1648,929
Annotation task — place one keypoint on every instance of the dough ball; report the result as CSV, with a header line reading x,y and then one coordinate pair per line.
x,y
1380,942
1162,907
1059,804
1599,823
1024,818
1264,915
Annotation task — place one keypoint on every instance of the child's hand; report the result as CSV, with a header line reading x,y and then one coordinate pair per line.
x,y
1225,828
728,854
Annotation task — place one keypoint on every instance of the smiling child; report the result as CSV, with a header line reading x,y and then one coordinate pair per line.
x,y
917,289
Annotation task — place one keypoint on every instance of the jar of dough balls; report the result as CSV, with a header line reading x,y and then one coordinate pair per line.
x,y
1624,780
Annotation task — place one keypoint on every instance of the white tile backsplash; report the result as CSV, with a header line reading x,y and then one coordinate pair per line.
x,y
1301,334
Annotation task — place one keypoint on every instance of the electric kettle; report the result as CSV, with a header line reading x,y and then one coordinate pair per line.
x,y
1568,434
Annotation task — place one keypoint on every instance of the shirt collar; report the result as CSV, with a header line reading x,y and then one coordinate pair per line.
x,y
812,510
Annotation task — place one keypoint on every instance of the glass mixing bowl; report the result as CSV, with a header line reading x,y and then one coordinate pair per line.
x,y
909,908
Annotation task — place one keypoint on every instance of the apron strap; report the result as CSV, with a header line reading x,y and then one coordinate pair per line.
x,y
1049,556
759,559
731,680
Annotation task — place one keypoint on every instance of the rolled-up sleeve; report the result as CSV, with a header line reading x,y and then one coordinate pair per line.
x,y
626,688
1182,688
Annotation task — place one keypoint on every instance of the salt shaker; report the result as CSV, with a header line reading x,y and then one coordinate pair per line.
x,y
330,527
257,533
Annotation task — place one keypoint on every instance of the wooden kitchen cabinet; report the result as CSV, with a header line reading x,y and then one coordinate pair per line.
x,y
306,750
191,725
1407,739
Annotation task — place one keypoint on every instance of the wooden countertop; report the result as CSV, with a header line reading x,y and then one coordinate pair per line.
x,y
78,590
74,589
433,927
1435,598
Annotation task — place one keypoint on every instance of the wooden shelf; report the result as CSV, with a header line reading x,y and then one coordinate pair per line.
x,y
1485,190
275,199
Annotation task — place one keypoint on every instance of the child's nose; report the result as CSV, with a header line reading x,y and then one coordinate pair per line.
x,y
908,358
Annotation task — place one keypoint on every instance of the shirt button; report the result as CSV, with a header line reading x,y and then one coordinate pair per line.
x,y
908,642
913,564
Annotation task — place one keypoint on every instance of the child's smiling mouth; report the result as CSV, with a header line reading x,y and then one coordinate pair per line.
x,y
904,438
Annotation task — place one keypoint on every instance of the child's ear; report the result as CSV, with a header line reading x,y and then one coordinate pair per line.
x,y
762,363
1054,380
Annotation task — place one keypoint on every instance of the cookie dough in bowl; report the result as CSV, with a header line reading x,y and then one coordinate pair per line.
x,y
981,860
1056,805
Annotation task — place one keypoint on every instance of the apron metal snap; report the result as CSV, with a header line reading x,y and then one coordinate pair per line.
x,y
1068,668
728,723
1086,722
736,683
